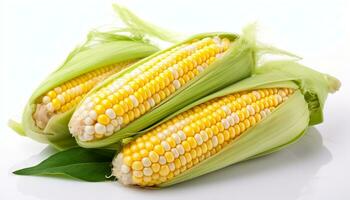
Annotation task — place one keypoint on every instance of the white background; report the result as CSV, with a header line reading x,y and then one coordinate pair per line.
x,y
36,36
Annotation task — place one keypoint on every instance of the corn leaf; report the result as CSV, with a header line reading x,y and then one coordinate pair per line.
x,y
85,164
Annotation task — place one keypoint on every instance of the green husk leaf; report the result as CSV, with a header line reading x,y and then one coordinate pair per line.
x,y
269,50
284,126
237,63
314,85
91,165
137,24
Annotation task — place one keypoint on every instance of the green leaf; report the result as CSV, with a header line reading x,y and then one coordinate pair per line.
x,y
85,164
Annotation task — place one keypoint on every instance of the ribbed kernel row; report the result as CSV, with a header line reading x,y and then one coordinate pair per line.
x,y
193,136
130,96
69,94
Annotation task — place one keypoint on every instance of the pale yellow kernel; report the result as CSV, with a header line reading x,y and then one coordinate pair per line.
x,y
242,126
137,165
257,117
183,168
189,164
169,157
148,145
137,179
136,156
245,112
131,115
118,110
241,115
209,145
193,153
210,132
188,157
127,151
143,152
155,167
99,109
154,140
171,142
126,119
127,160
220,126
204,148
176,172
186,145
226,134
98,136
232,132
220,137
237,129
192,142
155,176
124,105
252,120
195,161
134,148
159,149
153,156
106,103
177,163
164,170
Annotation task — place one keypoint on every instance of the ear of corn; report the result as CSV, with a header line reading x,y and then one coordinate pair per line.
x,y
50,107
104,53
191,69
251,118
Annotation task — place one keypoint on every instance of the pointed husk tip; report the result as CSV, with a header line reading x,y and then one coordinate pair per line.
x,y
333,83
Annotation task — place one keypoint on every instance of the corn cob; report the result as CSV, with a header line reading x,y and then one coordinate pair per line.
x,y
47,113
152,85
254,117
64,97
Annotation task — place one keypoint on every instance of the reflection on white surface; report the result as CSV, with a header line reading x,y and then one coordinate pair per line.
x,y
283,175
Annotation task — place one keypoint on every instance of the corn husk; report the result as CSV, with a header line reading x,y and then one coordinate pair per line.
x,y
285,125
236,64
